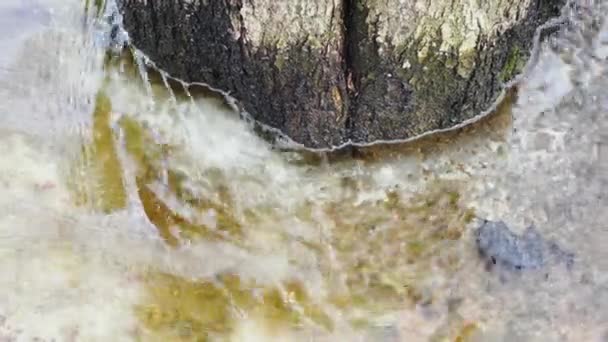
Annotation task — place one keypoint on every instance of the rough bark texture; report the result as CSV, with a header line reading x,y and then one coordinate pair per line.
x,y
329,72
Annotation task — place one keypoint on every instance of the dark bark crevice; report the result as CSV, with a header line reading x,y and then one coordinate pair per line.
x,y
349,50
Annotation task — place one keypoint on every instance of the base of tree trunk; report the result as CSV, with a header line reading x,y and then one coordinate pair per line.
x,y
329,73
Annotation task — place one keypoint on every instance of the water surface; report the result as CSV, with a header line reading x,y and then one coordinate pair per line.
x,y
139,211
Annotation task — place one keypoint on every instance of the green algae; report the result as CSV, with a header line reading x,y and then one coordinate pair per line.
x,y
467,332
97,6
183,310
390,252
98,177
98,180
513,65
385,250
172,226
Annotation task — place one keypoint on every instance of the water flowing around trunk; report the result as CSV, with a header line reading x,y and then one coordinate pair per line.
x,y
137,207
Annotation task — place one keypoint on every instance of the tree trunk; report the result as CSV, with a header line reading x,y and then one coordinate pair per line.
x,y
332,72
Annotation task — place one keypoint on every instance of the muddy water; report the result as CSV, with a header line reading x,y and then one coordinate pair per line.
x,y
140,212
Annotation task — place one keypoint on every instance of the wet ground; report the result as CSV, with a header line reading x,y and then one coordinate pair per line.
x,y
135,211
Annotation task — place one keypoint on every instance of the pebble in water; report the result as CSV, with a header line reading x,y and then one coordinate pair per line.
x,y
500,246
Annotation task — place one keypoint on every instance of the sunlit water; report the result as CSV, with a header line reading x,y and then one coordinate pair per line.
x,y
139,212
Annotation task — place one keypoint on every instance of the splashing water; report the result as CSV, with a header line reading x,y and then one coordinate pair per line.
x,y
136,207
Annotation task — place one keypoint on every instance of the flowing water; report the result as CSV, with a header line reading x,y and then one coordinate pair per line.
x,y
138,208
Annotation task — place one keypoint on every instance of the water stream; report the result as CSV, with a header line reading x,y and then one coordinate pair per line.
x,y
136,208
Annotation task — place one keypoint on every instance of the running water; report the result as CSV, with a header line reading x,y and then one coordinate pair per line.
x,y
135,207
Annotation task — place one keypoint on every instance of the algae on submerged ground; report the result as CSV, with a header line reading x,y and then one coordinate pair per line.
x,y
98,175
384,264
375,256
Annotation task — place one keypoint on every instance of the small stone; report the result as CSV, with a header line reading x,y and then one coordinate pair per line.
x,y
500,246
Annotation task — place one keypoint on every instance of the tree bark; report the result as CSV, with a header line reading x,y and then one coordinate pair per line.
x,y
332,72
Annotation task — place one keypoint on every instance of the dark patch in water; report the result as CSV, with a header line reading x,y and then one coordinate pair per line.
x,y
499,246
